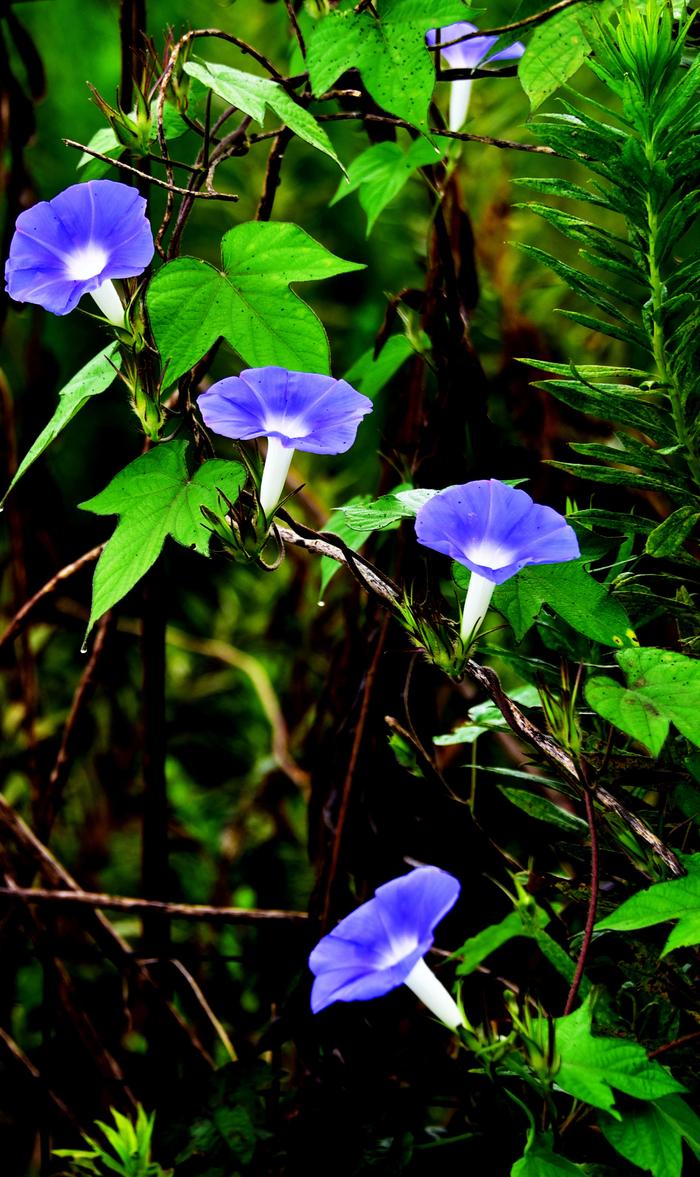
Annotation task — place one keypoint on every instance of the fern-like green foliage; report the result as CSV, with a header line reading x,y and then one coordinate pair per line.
x,y
126,1150
643,158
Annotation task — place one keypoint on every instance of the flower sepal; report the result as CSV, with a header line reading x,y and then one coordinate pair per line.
x,y
436,637
132,130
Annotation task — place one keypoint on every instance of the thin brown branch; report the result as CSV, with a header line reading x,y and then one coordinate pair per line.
x,y
547,747
175,911
352,765
33,1073
525,22
593,898
289,4
441,132
692,1037
103,933
272,175
119,163
19,620
327,544
51,799
207,1010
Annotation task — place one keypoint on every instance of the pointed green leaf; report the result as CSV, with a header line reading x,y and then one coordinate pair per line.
x,y
540,1160
557,48
91,380
662,686
386,512
191,304
389,50
632,713
381,172
678,899
576,596
591,1066
650,1135
253,95
668,538
370,373
155,496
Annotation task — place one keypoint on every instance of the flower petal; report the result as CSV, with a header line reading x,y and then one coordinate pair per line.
x,y
375,948
494,529
305,410
465,54
101,222
355,985
511,53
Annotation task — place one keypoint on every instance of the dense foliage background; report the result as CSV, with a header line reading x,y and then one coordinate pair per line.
x,y
310,741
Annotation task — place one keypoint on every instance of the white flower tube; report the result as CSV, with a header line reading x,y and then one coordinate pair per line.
x,y
434,995
109,303
277,463
476,606
460,94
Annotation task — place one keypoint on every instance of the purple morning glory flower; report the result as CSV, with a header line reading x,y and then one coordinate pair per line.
x,y
494,530
76,244
468,55
381,945
294,410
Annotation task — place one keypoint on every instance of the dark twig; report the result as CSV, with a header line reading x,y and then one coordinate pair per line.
x,y
51,798
19,620
692,1037
352,765
171,187
105,935
26,1063
272,175
441,132
295,25
172,911
593,898
536,18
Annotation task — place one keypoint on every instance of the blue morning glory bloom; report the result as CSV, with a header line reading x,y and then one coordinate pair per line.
x,y
468,55
76,244
381,945
294,410
494,530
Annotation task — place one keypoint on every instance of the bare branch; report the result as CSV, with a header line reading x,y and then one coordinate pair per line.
x,y
174,911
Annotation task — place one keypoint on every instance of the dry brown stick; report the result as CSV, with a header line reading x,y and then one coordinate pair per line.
x,y
119,163
207,1010
330,545
352,765
521,725
20,1057
52,797
104,934
462,136
18,621
136,906
70,1006
536,18
272,175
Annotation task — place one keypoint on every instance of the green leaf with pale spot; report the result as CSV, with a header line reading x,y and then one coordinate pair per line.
x,y
95,377
662,687
253,95
557,48
389,50
249,303
576,596
381,172
592,1067
155,496
678,899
